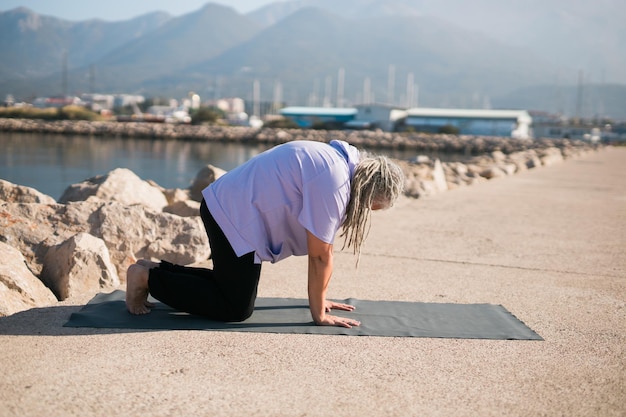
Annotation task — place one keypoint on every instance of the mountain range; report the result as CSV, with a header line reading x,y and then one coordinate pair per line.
x,y
447,53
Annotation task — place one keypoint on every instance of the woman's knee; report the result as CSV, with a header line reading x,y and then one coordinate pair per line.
x,y
240,312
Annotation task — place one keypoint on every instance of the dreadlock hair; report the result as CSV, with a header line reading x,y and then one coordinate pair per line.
x,y
376,180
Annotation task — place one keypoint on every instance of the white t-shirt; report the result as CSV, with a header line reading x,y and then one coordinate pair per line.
x,y
267,204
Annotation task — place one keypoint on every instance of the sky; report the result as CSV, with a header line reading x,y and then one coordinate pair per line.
x,y
114,10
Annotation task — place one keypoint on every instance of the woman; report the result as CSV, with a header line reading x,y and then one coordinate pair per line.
x,y
289,200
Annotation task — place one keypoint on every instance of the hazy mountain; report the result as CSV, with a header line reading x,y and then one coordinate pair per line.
x,y
312,44
182,42
173,45
457,53
350,9
33,45
574,34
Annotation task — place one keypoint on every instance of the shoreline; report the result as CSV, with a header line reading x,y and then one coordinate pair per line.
x,y
418,142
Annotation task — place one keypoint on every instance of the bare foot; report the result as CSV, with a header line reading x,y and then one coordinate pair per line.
x,y
137,289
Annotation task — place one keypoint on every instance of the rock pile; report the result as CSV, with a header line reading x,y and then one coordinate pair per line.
x,y
425,177
419,142
84,242
54,250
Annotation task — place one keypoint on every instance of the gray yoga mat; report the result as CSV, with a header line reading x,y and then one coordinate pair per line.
x,y
289,315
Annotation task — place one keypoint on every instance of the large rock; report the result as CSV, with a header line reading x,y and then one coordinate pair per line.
x,y
187,208
19,288
520,160
203,179
422,179
32,228
175,195
439,177
550,156
492,172
77,266
121,185
133,231
129,232
13,193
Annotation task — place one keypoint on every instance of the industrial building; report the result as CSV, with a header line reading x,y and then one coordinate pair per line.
x,y
508,123
308,117
376,116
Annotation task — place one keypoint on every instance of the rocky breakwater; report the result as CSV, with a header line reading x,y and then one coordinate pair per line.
x,y
425,177
83,243
418,142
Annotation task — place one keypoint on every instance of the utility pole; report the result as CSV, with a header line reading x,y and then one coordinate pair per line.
x,y
256,94
367,89
579,97
92,79
64,75
278,96
410,85
391,81
340,83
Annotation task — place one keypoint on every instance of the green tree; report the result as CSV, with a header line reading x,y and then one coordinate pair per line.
x,y
282,123
206,115
449,129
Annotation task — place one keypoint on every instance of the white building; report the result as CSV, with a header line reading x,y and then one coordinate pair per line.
x,y
511,123
376,116
232,105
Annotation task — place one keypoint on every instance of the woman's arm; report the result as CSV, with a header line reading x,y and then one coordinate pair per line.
x,y
320,271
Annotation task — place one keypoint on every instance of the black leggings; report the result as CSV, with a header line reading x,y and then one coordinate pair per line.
x,y
226,293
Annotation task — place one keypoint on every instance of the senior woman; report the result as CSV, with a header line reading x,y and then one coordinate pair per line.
x,y
289,200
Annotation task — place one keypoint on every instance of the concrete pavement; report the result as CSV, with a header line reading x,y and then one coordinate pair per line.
x,y
548,244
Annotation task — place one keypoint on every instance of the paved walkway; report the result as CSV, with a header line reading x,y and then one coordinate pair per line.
x,y
548,244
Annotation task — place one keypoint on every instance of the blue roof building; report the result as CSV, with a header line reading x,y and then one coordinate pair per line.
x,y
507,123
307,117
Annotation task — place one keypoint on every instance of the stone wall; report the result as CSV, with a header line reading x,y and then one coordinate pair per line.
x,y
420,142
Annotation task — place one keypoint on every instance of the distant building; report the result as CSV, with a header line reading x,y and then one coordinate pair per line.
x,y
508,123
56,102
547,125
232,105
123,100
169,114
98,102
376,116
307,117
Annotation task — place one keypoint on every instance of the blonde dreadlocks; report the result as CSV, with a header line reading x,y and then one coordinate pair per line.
x,y
377,181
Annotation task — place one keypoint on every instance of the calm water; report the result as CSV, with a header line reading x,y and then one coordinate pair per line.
x,y
49,163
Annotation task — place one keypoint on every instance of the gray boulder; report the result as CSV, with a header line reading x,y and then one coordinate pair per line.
x,y
550,156
19,288
121,185
203,179
77,266
132,231
187,208
129,232
33,228
13,193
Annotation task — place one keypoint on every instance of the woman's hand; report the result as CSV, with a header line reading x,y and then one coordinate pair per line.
x,y
329,320
320,271
330,305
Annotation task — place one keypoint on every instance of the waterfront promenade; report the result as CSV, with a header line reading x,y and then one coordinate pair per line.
x,y
548,244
